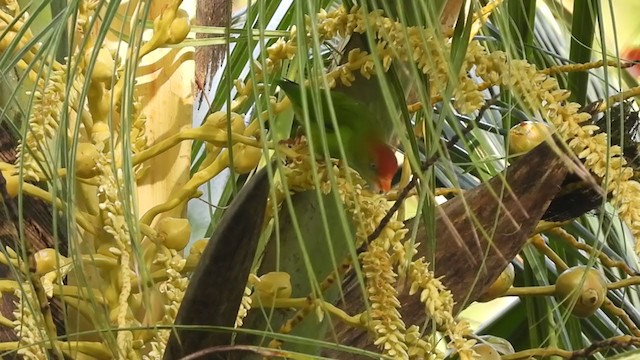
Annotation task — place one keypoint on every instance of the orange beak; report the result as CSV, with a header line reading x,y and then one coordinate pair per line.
x,y
385,184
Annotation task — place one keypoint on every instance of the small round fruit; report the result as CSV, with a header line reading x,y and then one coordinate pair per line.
x,y
527,135
500,286
179,28
582,288
174,232
486,351
273,285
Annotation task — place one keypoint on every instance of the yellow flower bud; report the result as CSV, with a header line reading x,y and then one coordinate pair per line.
x,y
47,260
273,285
245,158
86,156
13,183
219,120
174,232
179,28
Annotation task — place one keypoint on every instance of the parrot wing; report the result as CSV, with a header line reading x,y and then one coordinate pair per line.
x,y
350,114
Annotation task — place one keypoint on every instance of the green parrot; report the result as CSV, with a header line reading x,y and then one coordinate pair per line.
x,y
365,141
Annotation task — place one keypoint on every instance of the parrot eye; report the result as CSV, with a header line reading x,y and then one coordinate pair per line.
x,y
373,166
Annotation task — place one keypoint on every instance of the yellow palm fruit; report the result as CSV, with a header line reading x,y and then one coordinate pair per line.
x,y
219,121
500,286
272,285
179,28
527,135
581,288
174,233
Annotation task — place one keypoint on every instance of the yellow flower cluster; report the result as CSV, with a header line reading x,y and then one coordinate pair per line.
x,y
386,322
42,126
439,303
425,47
458,334
86,9
437,299
543,94
118,244
300,171
49,99
173,290
245,306
421,347
30,334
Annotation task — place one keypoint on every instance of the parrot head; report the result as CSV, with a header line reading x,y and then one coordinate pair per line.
x,y
377,165
365,143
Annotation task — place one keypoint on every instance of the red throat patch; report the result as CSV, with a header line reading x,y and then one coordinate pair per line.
x,y
386,162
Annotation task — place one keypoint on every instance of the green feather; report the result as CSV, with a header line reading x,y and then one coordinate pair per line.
x,y
357,126
352,116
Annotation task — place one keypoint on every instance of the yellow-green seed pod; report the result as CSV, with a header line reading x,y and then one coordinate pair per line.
x,y
582,288
47,260
273,285
500,286
179,28
527,135
174,233
86,156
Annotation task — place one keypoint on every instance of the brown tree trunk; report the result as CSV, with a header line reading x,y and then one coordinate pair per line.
x,y
208,58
